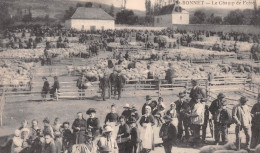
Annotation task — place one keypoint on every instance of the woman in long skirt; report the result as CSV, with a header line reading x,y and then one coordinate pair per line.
x,y
146,130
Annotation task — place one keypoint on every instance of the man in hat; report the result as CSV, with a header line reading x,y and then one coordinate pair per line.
x,y
127,112
104,84
55,87
123,136
168,133
90,146
147,103
106,144
197,119
93,124
255,111
135,136
215,109
120,81
45,88
79,127
182,107
242,118
112,82
196,90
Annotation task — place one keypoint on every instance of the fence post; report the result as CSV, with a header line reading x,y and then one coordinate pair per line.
x,y
2,107
159,87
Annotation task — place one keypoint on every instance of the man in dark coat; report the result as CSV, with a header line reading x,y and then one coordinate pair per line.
x,y
49,146
55,87
183,121
127,112
168,133
215,109
93,123
112,82
79,127
120,81
196,90
135,136
123,135
104,85
45,88
255,111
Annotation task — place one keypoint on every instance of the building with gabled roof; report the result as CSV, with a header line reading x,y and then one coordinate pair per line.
x,y
171,14
86,18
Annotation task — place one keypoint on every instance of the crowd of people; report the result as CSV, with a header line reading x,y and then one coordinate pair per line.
x,y
185,121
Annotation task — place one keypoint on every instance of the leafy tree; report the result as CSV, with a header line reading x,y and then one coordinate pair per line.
x,y
212,19
69,13
199,17
235,17
28,17
126,17
148,7
111,11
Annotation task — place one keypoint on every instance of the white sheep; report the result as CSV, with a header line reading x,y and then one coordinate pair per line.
x,y
231,151
213,148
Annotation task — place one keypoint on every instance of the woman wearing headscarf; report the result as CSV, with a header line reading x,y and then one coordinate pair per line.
x,y
146,130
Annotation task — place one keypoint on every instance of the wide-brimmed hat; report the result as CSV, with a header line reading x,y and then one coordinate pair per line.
x,y
91,110
107,129
243,99
126,106
148,97
181,95
221,95
167,117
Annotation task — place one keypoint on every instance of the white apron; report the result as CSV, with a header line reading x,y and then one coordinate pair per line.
x,y
147,136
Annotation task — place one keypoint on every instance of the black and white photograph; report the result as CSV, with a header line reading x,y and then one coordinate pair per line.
x,y
129,76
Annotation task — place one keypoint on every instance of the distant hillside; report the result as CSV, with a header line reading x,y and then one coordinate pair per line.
x,y
54,9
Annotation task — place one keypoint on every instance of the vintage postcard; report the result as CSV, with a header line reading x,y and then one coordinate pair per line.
x,y
129,76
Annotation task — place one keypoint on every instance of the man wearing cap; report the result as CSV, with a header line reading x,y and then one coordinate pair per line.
x,y
93,123
182,107
196,90
147,103
106,144
242,118
79,127
255,111
215,108
168,133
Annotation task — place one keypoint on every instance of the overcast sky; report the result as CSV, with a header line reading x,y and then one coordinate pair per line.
x,y
226,4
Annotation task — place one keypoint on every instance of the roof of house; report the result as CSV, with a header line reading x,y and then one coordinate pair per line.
x,y
91,13
170,9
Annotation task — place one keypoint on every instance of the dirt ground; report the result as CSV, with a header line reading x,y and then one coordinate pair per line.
x,y
30,107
